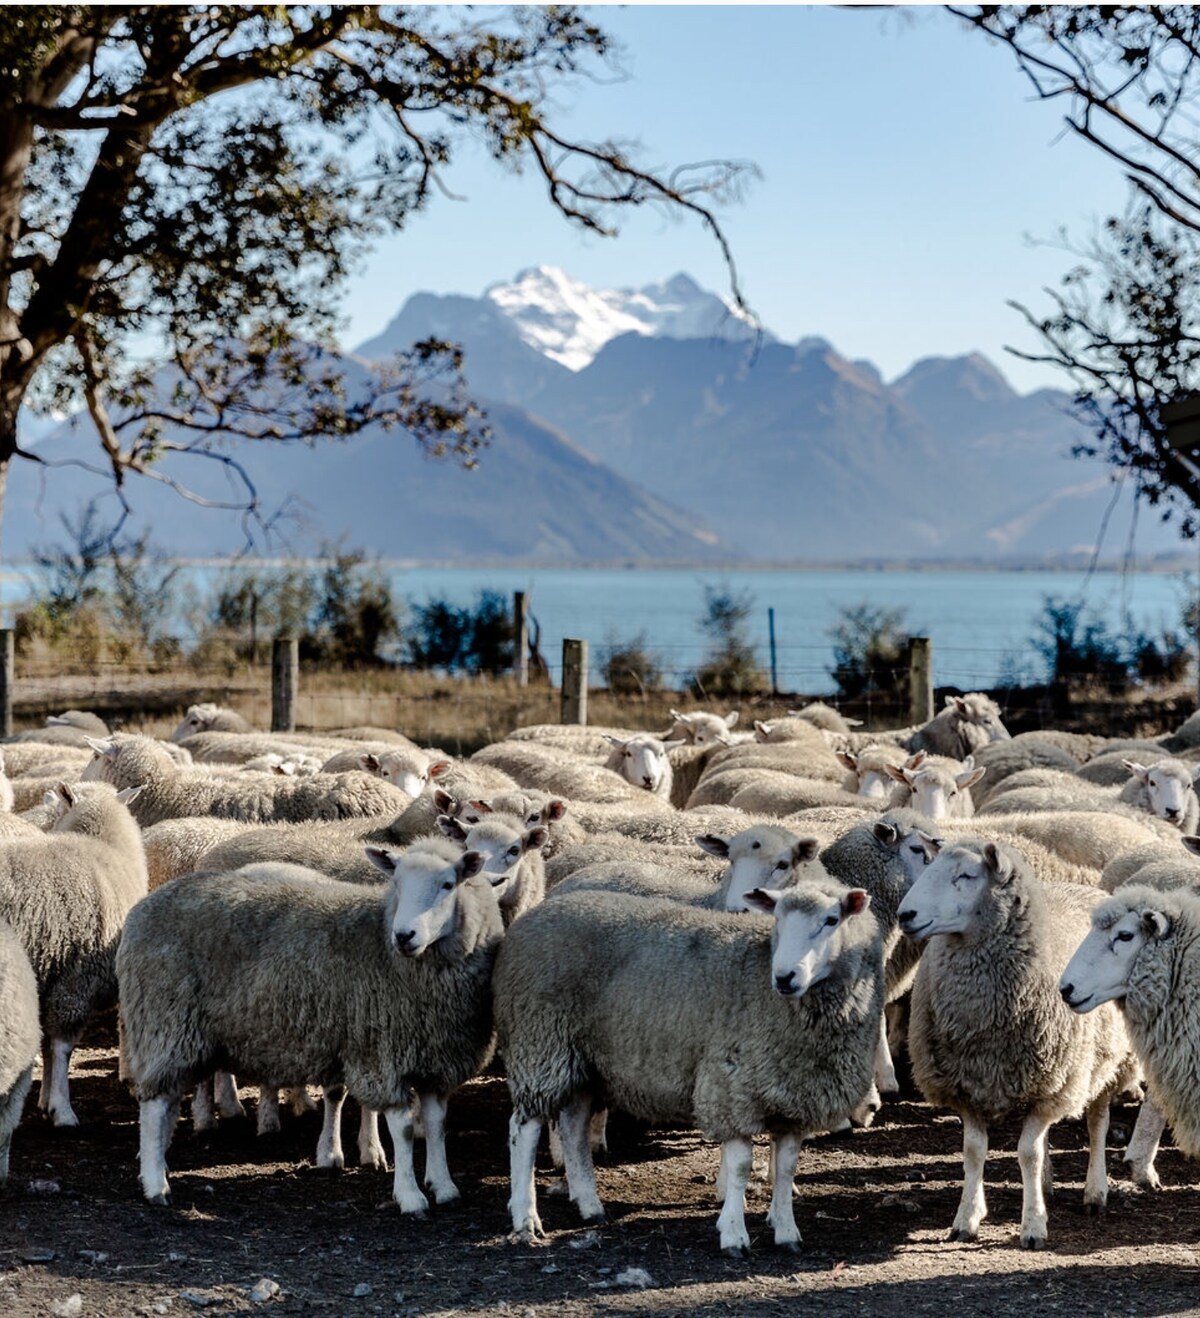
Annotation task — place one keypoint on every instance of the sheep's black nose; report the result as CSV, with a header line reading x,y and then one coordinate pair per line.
x,y
785,983
1067,991
906,917
405,938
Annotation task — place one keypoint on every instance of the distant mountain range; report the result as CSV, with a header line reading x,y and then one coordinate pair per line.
x,y
656,425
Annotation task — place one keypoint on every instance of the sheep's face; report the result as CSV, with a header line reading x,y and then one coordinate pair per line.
x,y
407,772
761,857
424,901
503,848
1100,970
914,848
101,768
978,720
948,896
198,719
1169,790
806,939
934,789
643,760
702,729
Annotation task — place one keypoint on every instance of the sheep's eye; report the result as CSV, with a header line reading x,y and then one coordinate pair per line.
x,y
532,819
514,852
1124,936
629,755
754,846
446,887
782,865
830,921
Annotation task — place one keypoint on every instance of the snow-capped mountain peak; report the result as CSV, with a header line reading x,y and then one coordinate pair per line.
x,y
569,322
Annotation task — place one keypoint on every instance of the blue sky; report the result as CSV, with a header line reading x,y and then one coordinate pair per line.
x,y
904,164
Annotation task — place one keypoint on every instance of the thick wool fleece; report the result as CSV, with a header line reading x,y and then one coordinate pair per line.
x,y
20,1035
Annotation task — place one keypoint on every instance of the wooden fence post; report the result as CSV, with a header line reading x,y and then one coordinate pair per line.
x,y
574,681
285,683
8,679
774,667
920,679
521,637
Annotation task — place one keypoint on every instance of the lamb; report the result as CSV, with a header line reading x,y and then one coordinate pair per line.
x,y
683,991
933,789
1166,790
700,728
209,718
963,727
216,945
758,857
989,1033
66,895
1141,953
20,1036
170,794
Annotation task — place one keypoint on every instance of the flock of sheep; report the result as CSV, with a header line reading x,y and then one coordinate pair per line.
x,y
735,931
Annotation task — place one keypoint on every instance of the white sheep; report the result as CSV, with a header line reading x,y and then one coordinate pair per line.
x,y
700,728
209,717
825,717
20,1036
409,963
964,726
549,769
680,992
643,761
1166,790
66,894
513,862
989,1034
933,788
867,770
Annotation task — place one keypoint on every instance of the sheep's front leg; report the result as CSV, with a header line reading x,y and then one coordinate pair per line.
x,y
268,1110
1095,1188
885,1070
972,1208
226,1095
737,1161
574,1129
370,1147
1031,1154
47,1070
405,1190
156,1122
523,1137
204,1113
1143,1147
437,1168
784,1150
329,1146
59,1106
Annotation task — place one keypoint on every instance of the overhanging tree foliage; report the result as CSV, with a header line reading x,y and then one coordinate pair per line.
x,y
1125,322
183,190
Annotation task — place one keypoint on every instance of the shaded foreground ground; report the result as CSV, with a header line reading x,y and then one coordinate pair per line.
x,y
874,1208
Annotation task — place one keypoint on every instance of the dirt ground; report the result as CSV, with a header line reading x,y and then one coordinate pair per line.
x,y
874,1208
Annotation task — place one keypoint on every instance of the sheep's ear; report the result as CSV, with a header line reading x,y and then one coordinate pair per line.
x,y
931,844
1192,842
1139,771
969,762
732,717
950,701
452,828
962,707
971,777
856,901
1155,924
678,717
445,803
101,747
554,810
714,844
50,799
761,730
469,864
483,807
901,773
852,722
763,899
383,859
614,741
999,864
915,760
805,850
888,834
846,760
675,745
128,795
67,794
439,769
536,838
369,762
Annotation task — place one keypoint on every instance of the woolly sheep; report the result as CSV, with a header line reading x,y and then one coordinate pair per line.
x,y
20,1036
964,726
799,757
1166,790
682,991
512,856
409,770
372,733
175,846
794,728
989,1033
867,770
238,747
933,789
643,761
64,730
209,718
1082,837
424,986
1108,768
1128,865
67,894
825,717
530,764
783,794
600,848
170,794
1065,795
700,728
291,766
22,759
1003,759
1141,953
1185,737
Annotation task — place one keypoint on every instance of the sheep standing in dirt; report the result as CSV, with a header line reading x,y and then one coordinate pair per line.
x,y
20,1036
66,894
512,854
683,991
989,1033
389,994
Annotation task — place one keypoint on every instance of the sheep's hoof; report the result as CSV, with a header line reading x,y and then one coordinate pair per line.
x,y
961,1234
1032,1242
1097,1208
159,1200
736,1251
788,1246
452,1195
594,1219
528,1235
890,1095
